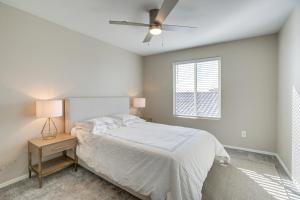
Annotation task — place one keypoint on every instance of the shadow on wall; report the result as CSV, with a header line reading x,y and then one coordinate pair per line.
x,y
296,134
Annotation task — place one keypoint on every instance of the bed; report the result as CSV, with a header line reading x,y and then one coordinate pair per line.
x,y
149,160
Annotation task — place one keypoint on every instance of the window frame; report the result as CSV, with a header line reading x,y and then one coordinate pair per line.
x,y
174,64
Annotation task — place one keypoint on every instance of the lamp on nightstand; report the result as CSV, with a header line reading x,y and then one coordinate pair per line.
x,y
49,109
139,103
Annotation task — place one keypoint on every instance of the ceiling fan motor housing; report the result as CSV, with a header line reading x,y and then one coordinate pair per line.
x,y
152,15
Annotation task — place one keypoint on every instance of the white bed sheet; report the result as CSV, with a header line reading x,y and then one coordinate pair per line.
x,y
153,159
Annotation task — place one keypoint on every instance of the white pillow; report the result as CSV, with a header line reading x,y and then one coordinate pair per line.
x,y
109,122
92,126
98,125
85,125
126,119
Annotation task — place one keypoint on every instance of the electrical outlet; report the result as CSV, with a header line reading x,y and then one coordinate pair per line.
x,y
244,134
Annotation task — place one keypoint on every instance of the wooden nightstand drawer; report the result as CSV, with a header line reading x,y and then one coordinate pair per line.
x,y
58,147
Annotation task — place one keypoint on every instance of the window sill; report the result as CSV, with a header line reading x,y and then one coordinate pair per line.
x,y
195,117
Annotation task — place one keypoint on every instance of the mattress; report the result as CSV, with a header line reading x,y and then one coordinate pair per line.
x,y
154,160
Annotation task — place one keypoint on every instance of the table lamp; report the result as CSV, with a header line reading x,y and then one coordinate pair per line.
x,y
49,109
139,103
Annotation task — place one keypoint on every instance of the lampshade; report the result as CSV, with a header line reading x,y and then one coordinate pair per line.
x,y
49,108
139,102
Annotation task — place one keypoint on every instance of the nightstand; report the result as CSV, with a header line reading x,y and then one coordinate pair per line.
x,y
147,119
42,148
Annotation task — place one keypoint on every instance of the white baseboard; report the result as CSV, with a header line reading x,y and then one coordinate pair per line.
x,y
296,183
251,150
14,180
266,153
284,166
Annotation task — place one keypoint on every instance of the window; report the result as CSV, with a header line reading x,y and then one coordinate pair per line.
x,y
197,88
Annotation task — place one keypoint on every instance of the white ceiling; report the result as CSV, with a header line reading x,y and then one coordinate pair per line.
x,y
218,20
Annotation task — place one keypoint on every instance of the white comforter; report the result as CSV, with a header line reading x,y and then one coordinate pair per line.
x,y
155,160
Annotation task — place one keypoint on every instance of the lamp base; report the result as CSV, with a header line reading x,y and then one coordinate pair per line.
x,y
47,135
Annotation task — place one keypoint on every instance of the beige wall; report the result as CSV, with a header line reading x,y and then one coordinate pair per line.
x,y
249,84
288,145
39,59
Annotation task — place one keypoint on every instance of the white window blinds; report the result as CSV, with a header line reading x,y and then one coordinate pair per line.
x,y
197,91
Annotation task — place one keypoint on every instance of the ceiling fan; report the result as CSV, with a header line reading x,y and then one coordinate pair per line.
x,y
157,17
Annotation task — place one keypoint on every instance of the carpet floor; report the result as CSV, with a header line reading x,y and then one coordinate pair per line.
x,y
249,176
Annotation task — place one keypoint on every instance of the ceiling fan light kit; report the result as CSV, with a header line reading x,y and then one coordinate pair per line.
x,y
155,29
156,19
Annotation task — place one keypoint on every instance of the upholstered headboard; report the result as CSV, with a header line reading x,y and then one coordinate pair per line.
x,y
78,109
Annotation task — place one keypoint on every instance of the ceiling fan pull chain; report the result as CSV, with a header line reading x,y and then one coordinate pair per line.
x,y
162,40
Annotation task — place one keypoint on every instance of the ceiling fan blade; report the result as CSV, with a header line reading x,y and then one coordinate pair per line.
x,y
165,10
167,27
147,38
126,23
